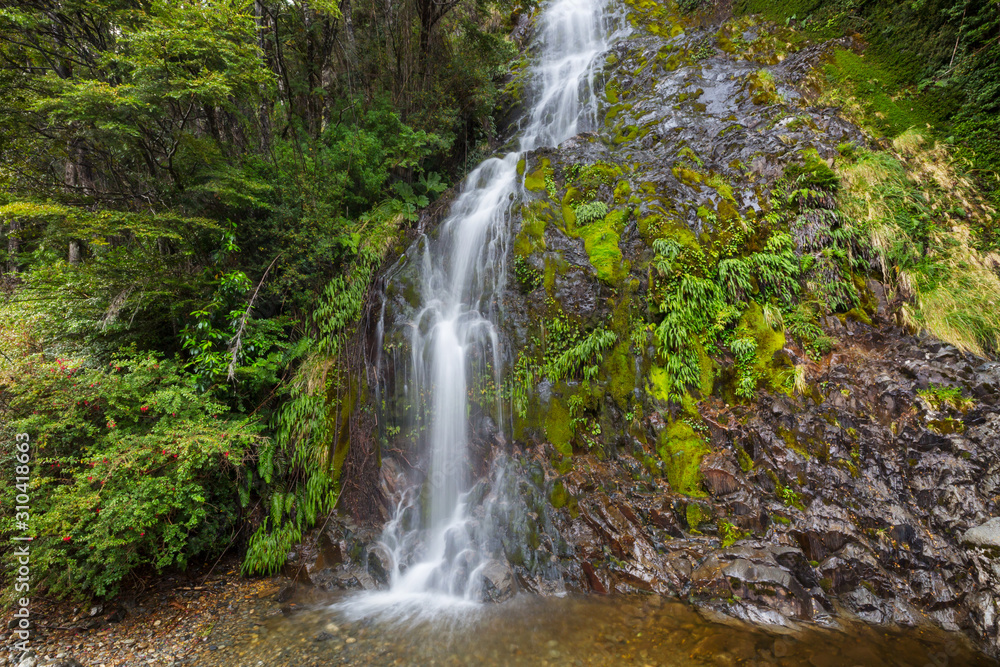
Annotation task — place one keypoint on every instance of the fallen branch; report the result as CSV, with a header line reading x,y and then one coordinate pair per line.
x,y
236,342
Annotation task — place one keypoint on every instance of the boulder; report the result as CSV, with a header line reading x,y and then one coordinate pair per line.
x,y
986,535
498,581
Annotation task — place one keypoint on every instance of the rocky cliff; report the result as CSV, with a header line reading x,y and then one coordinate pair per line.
x,y
710,391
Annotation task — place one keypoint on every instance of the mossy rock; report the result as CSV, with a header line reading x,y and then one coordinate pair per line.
x,y
535,181
558,429
681,449
601,241
769,341
620,368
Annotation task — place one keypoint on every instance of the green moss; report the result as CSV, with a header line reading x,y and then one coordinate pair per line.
x,y
687,176
746,463
531,236
694,516
874,88
572,196
858,315
622,191
560,498
521,166
558,428
611,91
620,371
626,134
535,181
769,341
600,240
592,176
658,385
708,369
682,450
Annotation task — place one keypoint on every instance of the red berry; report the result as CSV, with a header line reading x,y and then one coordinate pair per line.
x,y
90,479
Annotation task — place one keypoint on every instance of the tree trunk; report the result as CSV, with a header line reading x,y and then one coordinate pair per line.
x,y
75,251
13,246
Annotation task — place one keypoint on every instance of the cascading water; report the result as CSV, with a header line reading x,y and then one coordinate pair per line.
x,y
453,335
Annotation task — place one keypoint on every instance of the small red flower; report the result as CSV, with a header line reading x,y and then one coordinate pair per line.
x,y
90,479
226,454
67,538
144,408
141,534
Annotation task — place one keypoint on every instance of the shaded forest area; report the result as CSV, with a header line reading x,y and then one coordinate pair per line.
x,y
195,196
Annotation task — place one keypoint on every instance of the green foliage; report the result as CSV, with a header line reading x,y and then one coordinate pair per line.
x,y
813,172
940,396
302,465
731,534
600,240
133,135
131,467
590,212
918,213
927,64
527,276
801,322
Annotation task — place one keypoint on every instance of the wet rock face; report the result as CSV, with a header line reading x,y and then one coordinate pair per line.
x,y
341,555
838,501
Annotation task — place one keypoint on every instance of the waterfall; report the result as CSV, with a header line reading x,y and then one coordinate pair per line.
x,y
453,336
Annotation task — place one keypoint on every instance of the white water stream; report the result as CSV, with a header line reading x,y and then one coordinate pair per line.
x,y
454,333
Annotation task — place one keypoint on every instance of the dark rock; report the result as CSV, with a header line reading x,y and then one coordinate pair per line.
x,y
498,581
720,474
379,564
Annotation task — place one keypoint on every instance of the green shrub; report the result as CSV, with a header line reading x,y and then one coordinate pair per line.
x,y
131,467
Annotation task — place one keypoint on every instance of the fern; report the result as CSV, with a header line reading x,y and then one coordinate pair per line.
x,y
308,427
590,212
571,362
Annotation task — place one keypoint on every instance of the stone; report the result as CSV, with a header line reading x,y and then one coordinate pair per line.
x,y
498,581
985,535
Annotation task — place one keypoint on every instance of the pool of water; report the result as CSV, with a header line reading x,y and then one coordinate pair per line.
x,y
584,631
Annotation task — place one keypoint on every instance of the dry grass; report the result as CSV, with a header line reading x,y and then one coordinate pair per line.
x,y
952,288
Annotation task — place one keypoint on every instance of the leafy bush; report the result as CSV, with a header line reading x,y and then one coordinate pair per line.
x,y
132,467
